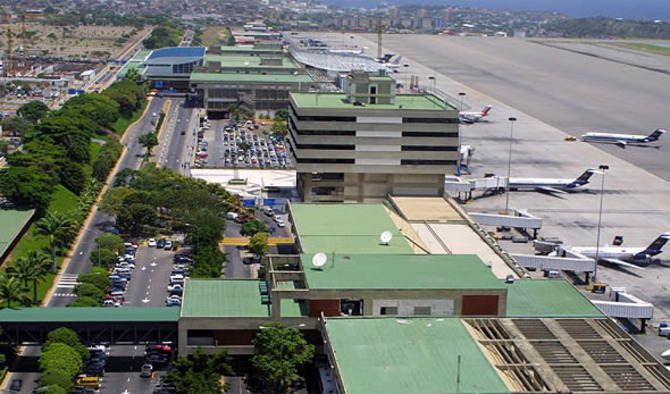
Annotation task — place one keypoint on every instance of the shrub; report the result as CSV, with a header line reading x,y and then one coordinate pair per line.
x,y
103,257
56,377
62,357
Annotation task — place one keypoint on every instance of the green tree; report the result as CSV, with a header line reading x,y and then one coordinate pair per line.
x,y
53,389
68,337
112,242
133,218
59,356
200,373
133,75
11,289
84,302
33,111
281,115
26,186
103,257
208,263
279,351
258,244
73,176
148,141
254,227
279,128
89,290
100,281
112,202
56,227
4,147
32,267
100,108
16,125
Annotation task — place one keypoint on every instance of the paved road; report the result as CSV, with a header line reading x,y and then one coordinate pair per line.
x,y
573,92
175,149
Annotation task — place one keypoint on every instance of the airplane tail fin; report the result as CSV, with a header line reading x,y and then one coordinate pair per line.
x,y
656,134
486,110
397,60
656,247
583,179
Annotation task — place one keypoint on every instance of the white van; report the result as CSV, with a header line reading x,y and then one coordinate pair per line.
x,y
553,274
232,215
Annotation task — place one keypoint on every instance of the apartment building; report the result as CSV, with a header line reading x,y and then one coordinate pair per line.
x,y
366,143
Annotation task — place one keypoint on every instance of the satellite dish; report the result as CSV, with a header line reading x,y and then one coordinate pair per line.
x,y
386,237
319,260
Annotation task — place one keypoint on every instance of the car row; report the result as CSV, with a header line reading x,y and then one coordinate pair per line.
x,y
161,243
180,271
120,276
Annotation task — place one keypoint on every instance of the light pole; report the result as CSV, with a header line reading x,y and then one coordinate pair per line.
x,y
509,160
460,108
602,168
406,66
197,235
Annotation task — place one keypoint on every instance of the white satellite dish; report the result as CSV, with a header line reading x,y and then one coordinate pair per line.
x,y
319,260
386,237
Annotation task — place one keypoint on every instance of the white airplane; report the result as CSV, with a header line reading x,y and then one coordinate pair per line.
x,y
347,51
623,139
385,59
635,257
474,116
395,64
550,185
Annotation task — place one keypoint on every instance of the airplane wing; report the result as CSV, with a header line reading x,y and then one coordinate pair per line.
x,y
622,144
623,263
550,189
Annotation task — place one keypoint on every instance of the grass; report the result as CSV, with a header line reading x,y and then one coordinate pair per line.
x,y
63,201
122,123
656,49
214,36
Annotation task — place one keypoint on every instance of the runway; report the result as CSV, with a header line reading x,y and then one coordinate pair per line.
x,y
570,91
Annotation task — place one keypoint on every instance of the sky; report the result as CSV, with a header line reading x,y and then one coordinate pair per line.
x,y
632,9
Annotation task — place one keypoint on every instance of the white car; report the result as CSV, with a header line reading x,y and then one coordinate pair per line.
x,y
152,242
280,223
125,264
175,287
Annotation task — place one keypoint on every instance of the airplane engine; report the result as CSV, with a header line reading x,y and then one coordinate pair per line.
x,y
642,259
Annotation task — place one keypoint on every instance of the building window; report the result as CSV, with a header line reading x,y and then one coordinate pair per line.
x,y
326,161
326,118
428,134
326,146
427,162
326,191
431,120
421,148
389,310
422,311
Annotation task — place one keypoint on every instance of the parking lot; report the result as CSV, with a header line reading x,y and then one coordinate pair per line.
x,y
249,145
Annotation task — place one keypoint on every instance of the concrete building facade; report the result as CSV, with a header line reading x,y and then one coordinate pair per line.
x,y
361,145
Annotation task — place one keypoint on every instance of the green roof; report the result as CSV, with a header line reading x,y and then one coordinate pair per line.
x,y
12,222
63,314
250,49
409,271
234,77
415,355
246,61
223,298
294,308
346,228
339,101
547,298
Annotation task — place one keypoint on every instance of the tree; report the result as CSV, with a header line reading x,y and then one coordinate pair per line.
x,y
4,147
149,141
279,128
133,75
281,115
56,227
68,337
254,227
59,356
16,125
100,281
112,202
258,244
73,176
200,373
32,267
279,351
89,290
208,263
26,186
103,257
133,218
83,302
53,389
33,111
111,242
99,108
11,289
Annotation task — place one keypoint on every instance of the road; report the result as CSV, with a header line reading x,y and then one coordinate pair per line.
x,y
175,150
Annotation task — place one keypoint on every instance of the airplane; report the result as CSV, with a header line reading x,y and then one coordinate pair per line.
x,y
347,51
474,116
623,139
395,64
385,59
635,257
551,185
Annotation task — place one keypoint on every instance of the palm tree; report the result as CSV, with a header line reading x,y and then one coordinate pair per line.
x,y
56,227
11,289
32,267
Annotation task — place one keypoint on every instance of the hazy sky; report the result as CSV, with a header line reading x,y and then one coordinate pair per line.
x,y
647,9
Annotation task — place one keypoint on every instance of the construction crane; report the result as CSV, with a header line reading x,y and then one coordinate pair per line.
x,y
24,39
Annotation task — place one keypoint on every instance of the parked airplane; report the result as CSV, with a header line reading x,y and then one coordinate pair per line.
x,y
385,59
623,139
635,257
549,184
395,64
474,116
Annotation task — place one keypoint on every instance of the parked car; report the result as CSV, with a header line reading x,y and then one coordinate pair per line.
x,y
175,286
251,260
16,385
146,370
152,242
160,243
168,245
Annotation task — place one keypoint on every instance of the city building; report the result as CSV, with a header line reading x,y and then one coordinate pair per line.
x,y
366,143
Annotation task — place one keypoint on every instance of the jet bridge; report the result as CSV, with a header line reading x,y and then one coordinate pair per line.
x,y
519,219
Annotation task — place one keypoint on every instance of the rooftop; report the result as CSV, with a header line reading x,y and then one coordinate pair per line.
x,y
234,77
416,355
246,61
547,298
63,314
407,271
346,228
426,208
12,222
339,101
223,298
176,55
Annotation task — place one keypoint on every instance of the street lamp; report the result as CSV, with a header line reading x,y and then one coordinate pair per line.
x,y
460,108
602,168
509,160
197,235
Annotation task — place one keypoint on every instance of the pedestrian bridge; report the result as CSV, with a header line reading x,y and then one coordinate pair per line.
x,y
129,325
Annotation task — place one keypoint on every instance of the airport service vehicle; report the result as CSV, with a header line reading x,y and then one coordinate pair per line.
x,y
623,140
474,116
634,257
550,185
